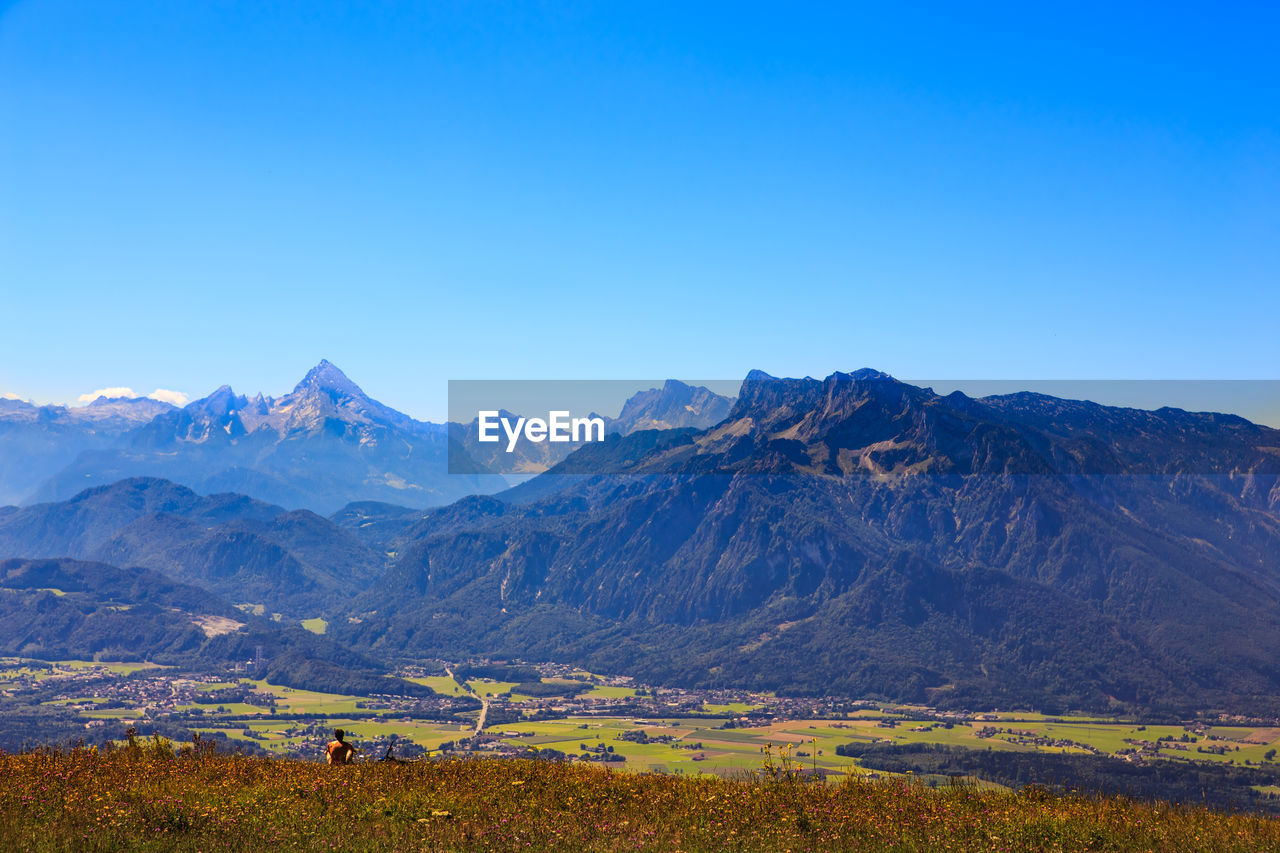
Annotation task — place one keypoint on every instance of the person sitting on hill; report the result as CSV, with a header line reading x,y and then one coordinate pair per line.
x,y
339,751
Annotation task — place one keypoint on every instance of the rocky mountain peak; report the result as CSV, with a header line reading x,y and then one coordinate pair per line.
x,y
223,401
674,405
328,378
772,399
327,396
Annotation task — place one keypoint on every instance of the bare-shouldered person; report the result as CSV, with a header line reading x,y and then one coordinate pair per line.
x,y
339,751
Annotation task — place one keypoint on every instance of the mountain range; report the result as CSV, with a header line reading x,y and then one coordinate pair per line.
x,y
863,536
854,535
321,446
38,441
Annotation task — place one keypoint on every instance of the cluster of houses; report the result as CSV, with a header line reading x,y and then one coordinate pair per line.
x,y
1030,738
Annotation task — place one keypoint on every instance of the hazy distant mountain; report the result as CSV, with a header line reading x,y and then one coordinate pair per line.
x,y
104,413
864,536
376,524
321,446
58,609
247,551
38,441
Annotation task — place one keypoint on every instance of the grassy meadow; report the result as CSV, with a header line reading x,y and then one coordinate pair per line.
x,y
147,797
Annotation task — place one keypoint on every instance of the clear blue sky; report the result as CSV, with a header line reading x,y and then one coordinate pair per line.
x,y
198,193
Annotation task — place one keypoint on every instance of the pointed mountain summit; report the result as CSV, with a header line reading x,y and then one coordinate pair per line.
x,y
215,417
325,396
328,377
223,401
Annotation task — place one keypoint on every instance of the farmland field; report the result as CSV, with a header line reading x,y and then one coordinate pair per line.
x,y
289,721
439,683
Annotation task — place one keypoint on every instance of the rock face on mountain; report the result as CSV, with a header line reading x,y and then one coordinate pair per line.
x,y
38,441
672,406
295,563
863,536
321,446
